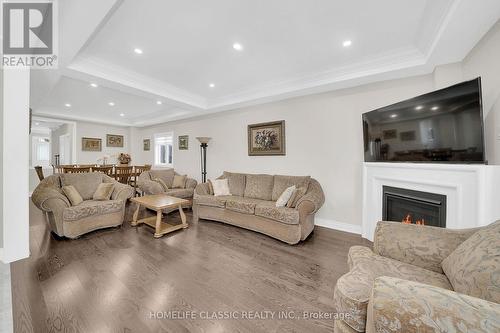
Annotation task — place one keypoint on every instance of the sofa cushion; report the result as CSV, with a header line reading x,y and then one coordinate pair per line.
x,y
259,187
353,289
281,183
236,182
72,194
91,208
221,187
84,183
243,205
183,193
167,175
179,181
474,267
211,200
103,191
280,214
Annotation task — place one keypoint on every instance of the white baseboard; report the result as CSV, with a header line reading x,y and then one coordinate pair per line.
x,y
331,224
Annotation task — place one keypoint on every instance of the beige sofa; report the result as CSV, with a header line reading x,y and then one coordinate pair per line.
x,y
147,185
422,279
252,205
73,221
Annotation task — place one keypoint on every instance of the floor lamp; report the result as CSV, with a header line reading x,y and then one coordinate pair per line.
x,y
204,144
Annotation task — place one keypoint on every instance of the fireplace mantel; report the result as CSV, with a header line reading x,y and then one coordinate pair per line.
x,y
472,191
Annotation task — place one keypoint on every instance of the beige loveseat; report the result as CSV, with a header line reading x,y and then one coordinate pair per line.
x,y
422,279
252,205
73,221
148,185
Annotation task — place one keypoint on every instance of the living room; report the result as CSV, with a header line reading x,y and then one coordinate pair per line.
x,y
166,108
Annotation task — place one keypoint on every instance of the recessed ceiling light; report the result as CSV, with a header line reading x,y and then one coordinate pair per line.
x,y
159,102
394,115
419,107
94,85
211,85
122,114
138,51
37,124
238,47
434,108
347,43
111,103
67,105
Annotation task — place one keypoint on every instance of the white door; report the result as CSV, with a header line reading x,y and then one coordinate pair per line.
x,y
65,149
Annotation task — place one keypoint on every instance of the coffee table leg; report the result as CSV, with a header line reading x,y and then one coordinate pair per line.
x,y
183,217
158,224
136,215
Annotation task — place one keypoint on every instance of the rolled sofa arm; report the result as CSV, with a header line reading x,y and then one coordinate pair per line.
x,y
201,189
398,305
191,183
49,199
150,187
314,198
419,245
122,192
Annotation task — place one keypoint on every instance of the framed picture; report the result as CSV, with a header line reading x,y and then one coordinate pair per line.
x,y
146,144
113,140
91,144
183,142
390,134
266,139
407,136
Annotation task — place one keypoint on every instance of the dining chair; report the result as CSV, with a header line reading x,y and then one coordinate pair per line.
x,y
123,174
39,172
76,169
106,169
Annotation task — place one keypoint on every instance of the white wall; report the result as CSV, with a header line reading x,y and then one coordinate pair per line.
x,y
92,130
324,133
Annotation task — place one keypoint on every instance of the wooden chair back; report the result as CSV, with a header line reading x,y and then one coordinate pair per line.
x,y
39,172
107,170
76,169
123,174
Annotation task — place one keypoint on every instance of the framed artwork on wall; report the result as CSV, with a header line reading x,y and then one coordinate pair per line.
x,y
91,144
146,144
113,140
183,142
266,138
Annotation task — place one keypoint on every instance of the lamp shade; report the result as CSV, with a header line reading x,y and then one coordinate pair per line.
x,y
203,139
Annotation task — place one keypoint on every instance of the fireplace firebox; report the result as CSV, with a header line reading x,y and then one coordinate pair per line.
x,y
413,207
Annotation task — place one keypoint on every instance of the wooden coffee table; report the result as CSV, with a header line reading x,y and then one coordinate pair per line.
x,y
158,202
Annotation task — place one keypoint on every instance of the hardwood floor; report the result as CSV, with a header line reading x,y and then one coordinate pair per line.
x,y
113,280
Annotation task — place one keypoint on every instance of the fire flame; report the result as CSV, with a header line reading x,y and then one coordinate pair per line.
x,y
408,220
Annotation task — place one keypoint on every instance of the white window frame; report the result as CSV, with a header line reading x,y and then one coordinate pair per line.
x,y
163,139
36,143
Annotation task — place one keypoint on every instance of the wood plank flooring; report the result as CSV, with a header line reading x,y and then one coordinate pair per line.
x,y
119,279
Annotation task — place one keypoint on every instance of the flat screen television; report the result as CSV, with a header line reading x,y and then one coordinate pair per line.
x,y
443,126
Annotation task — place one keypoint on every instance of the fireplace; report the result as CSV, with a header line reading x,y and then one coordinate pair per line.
x,y
413,207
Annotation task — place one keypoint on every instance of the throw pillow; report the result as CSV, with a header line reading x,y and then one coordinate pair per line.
x,y
103,191
162,183
473,267
221,187
72,194
291,201
179,181
210,187
285,196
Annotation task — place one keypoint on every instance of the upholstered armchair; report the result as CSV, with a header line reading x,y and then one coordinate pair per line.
x,y
422,279
149,183
70,221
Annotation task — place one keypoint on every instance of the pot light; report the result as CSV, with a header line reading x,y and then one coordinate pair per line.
x,y
37,124
420,107
138,51
159,102
122,114
211,85
434,108
394,115
111,103
94,85
347,43
238,47
67,105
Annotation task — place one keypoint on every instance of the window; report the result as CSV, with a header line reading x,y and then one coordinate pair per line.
x,y
40,151
164,149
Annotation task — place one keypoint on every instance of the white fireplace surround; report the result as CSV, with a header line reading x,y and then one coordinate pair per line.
x,y
472,191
